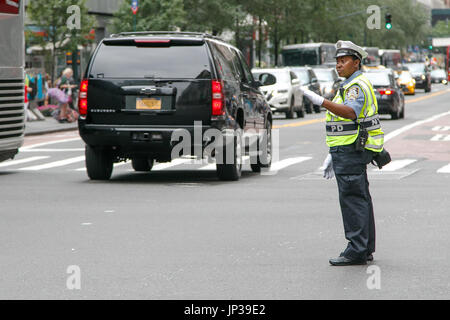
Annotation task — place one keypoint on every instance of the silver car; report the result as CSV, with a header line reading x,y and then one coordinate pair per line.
x,y
282,90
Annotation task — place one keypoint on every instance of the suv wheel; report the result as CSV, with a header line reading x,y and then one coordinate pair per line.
x,y
142,164
99,163
264,157
231,171
316,109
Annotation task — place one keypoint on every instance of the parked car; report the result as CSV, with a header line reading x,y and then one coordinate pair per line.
x,y
390,97
407,82
282,90
439,76
142,89
421,74
308,80
329,81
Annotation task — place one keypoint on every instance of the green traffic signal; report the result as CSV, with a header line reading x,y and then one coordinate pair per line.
x,y
388,19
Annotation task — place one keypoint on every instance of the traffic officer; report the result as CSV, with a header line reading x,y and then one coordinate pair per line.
x,y
354,136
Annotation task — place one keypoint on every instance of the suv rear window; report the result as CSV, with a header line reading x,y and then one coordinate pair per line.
x,y
179,62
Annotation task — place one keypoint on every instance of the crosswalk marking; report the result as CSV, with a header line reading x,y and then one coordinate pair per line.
x,y
440,137
396,165
119,164
54,164
175,162
441,128
445,169
21,161
287,162
212,166
54,150
48,143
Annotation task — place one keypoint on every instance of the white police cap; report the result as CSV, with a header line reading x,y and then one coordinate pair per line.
x,y
348,48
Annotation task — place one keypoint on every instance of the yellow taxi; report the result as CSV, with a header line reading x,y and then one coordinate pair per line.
x,y
407,82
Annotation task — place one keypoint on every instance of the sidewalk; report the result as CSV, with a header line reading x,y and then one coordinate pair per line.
x,y
49,125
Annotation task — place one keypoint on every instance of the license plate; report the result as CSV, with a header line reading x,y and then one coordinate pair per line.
x,y
148,104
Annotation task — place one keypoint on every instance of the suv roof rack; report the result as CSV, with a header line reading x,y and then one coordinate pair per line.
x,y
181,33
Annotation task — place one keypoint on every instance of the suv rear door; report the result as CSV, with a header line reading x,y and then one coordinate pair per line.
x,y
145,82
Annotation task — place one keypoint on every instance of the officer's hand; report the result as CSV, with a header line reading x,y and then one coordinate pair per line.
x,y
328,172
313,97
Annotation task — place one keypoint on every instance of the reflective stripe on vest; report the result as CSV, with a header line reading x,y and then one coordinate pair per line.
x,y
341,131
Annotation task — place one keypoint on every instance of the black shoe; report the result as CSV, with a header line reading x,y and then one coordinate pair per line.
x,y
343,261
369,257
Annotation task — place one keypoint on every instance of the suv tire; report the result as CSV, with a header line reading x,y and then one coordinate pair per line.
x,y
263,160
142,164
99,163
231,171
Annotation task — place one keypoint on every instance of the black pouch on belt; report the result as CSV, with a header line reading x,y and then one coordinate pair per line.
x,y
361,140
381,159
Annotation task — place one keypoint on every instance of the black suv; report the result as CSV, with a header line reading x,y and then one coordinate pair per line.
x,y
146,93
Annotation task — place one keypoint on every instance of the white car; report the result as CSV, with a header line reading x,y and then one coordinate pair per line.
x,y
282,90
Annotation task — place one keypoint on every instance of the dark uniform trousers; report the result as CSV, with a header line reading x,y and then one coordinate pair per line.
x,y
350,168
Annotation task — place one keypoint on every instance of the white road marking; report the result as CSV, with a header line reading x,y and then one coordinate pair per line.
x,y
173,163
445,169
55,164
401,130
21,161
396,165
53,150
437,137
119,164
287,162
212,166
48,143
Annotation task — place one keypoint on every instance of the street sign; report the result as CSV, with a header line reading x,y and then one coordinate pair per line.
x,y
134,6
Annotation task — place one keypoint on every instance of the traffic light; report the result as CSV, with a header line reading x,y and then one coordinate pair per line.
x,y
388,19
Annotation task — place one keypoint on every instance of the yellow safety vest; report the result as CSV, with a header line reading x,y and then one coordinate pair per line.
x,y
341,131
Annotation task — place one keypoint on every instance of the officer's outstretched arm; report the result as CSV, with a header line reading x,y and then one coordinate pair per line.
x,y
340,110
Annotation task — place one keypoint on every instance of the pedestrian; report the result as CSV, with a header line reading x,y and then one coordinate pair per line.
x,y
66,84
355,138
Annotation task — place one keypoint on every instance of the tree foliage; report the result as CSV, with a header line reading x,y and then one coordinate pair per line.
x,y
285,21
52,17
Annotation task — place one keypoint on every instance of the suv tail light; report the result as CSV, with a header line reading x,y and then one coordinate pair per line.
x,y
82,98
217,98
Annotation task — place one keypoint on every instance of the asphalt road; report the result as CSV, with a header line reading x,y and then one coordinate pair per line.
x,y
179,233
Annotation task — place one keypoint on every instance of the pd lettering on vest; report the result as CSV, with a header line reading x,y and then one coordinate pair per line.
x,y
338,128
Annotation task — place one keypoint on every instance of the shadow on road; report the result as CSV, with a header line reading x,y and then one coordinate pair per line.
x,y
172,176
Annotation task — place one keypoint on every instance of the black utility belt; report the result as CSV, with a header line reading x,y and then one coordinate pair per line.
x,y
352,126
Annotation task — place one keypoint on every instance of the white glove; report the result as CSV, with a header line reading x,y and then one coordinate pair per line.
x,y
328,172
313,97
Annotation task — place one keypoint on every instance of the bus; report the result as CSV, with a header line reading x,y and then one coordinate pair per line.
x,y
373,57
311,54
391,58
12,87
